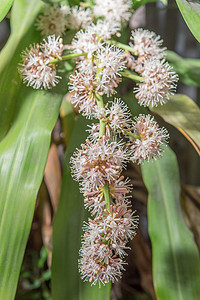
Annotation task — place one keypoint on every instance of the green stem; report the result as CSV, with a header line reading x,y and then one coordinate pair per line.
x,y
102,127
85,5
135,136
131,75
106,196
100,104
122,46
66,57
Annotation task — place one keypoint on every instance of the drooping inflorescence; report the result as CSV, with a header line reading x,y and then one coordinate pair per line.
x,y
116,138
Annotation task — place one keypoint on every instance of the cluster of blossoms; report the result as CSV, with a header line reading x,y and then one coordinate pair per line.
x,y
115,139
98,166
159,81
36,69
56,19
98,73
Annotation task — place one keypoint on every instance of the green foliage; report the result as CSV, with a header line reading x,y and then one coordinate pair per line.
x,y
34,276
29,116
23,153
188,69
5,6
190,11
137,3
183,113
27,119
22,35
66,282
176,265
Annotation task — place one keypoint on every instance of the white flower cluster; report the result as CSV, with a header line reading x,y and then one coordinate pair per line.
x,y
90,39
56,18
115,11
159,81
96,73
99,163
36,69
53,20
148,140
97,166
104,244
117,118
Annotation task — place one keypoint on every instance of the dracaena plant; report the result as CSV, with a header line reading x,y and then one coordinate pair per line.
x,y
100,64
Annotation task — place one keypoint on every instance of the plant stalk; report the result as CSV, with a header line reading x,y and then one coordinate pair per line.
x,y
102,128
131,75
67,57
122,46
135,136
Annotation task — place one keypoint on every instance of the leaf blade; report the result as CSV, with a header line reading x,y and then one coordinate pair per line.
x,y
190,11
187,68
19,39
183,113
176,266
5,6
24,152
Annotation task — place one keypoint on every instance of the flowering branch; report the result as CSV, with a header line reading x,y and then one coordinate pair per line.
x,y
67,57
135,136
131,75
106,196
102,123
102,127
121,46
98,164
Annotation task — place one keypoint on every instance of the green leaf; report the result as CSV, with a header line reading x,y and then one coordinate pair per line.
x,y
67,231
23,154
176,265
190,11
188,69
5,6
137,3
23,16
67,115
27,119
183,113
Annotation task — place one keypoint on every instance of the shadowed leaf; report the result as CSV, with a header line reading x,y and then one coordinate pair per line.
x,y
183,113
176,265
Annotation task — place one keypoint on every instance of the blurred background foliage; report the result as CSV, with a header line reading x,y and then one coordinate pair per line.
x,y
59,210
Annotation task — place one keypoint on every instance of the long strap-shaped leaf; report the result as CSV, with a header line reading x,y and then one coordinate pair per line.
x,y
4,8
190,11
23,154
183,113
23,33
66,282
176,265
